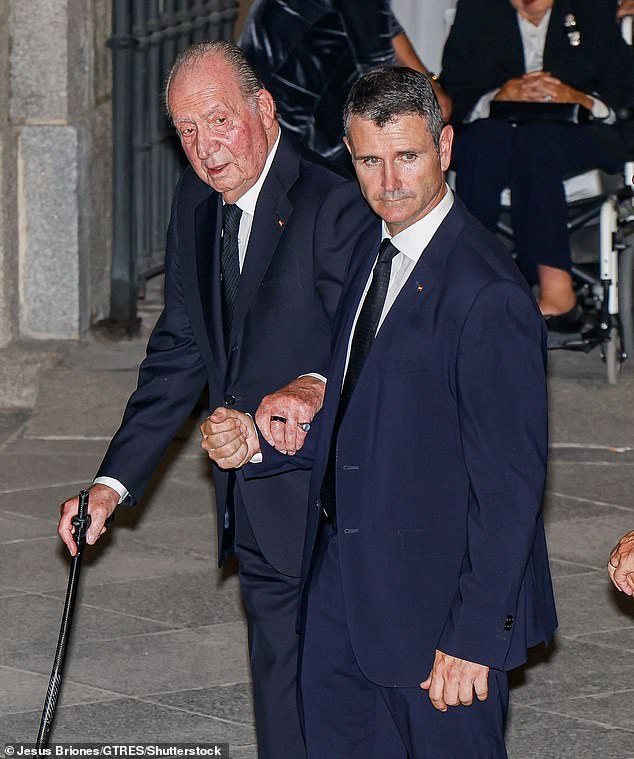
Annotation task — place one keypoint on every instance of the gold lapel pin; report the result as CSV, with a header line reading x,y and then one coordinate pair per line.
x,y
280,222
419,287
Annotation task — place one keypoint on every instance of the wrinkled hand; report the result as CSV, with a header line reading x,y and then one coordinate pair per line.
x,y
621,564
540,87
298,403
230,438
626,8
452,682
102,502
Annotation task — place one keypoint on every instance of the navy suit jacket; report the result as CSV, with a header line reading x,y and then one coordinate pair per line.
x,y
441,463
306,222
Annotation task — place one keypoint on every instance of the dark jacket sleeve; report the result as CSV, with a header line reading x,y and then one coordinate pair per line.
x,y
171,379
370,27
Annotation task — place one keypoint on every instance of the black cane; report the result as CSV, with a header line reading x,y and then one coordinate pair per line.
x,y
81,522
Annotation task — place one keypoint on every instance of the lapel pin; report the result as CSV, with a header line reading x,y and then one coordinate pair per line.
x,y
280,222
419,287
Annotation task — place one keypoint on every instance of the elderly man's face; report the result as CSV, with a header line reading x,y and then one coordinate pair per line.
x,y
399,169
533,10
226,138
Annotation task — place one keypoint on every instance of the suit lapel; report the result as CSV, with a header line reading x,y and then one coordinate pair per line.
x,y
415,293
208,223
272,212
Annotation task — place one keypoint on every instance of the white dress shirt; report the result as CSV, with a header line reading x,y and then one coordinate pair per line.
x,y
247,204
533,42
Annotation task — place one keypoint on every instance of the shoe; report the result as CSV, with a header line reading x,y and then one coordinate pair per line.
x,y
570,321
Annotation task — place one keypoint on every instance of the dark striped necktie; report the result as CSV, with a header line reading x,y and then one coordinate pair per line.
x,y
364,334
229,266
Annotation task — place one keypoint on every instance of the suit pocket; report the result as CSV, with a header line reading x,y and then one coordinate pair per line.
x,y
406,365
431,544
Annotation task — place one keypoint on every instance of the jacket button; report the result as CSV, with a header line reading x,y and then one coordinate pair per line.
x,y
230,400
508,623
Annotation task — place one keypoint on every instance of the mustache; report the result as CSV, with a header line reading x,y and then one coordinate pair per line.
x,y
394,195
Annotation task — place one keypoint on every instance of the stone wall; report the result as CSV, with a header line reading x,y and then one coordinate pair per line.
x,y
55,156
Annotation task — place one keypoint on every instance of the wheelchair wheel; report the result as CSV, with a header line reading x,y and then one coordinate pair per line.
x,y
626,295
612,352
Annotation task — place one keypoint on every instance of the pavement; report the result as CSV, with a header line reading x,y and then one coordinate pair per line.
x,y
159,650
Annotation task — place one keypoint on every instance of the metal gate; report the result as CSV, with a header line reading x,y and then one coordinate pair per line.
x,y
147,159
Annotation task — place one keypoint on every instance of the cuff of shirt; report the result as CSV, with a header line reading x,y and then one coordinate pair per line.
x,y
114,484
602,111
257,457
316,375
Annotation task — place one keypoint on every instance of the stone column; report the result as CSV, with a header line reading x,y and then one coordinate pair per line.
x,y
59,108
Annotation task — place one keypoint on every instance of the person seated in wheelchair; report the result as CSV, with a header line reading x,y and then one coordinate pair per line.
x,y
548,52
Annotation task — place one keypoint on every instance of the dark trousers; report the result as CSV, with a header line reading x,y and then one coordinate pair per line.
x,y
532,160
271,601
348,717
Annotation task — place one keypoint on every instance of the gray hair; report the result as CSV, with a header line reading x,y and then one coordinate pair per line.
x,y
248,80
388,92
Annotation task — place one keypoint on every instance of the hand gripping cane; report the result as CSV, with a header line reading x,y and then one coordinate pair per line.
x,y
81,522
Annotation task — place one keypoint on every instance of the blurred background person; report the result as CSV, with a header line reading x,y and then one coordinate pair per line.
x,y
545,51
308,53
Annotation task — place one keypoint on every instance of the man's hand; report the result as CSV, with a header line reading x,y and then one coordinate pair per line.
x,y
101,504
621,564
230,438
452,682
297,403
626,8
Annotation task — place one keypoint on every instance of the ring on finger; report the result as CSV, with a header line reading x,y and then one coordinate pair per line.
x,y
281,419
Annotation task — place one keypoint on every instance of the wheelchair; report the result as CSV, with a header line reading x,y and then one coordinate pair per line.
x,y
601,218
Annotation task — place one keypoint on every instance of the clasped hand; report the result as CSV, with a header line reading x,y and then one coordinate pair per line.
x,y
230,438
540,86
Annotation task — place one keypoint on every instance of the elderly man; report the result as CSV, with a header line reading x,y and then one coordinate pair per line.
x,y
258,246
425,564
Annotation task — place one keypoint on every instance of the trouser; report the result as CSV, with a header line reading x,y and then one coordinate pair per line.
x,y
270,599
532,160
348,717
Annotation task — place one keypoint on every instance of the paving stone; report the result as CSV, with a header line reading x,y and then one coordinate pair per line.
x,y
25,691
559,568
124,720
16,527
41,617
228,702
134,666
116,556
570,668
611,484
187,600
587,541
590,604
613,709
621,639
534,734
22,471
11,421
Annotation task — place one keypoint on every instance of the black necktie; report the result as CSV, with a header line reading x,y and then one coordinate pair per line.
x,y
364,334
229,266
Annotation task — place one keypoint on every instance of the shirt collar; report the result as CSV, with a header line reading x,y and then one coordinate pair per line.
x,y
413,240
248,201
535,30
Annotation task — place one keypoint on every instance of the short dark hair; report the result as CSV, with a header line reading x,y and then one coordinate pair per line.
x,y
249,82
387,92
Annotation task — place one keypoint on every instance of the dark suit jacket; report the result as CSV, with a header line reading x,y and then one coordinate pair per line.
x,y
306,222
484,50
441,462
